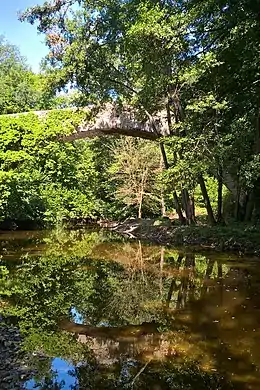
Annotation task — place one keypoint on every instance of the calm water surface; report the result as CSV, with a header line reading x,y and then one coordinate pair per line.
x,y
99,312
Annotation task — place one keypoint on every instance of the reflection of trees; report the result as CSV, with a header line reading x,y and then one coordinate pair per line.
x,y
210,334
192,278
195,301
192,299
160,376
43,289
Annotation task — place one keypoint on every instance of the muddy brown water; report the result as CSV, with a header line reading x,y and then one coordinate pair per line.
x,y
99,312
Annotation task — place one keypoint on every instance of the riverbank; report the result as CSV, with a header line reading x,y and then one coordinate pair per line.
x,y
239,238
243,239
14,366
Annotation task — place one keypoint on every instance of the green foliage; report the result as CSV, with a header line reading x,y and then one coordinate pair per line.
x,y
198,60
201,72
42,177
46,180
20,89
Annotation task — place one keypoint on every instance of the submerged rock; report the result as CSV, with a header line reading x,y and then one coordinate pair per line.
x,y
14,371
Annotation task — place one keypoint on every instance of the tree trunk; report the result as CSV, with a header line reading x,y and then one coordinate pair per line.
x,y
186,201
178,209
256,198
192,267
161,270
220,271
250,207
209,270
169,118
140,206
257,183
173,286
163,208
188,207
220,196
238,216
193,207
205,195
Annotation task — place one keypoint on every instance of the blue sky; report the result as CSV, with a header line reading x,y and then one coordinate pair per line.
x,y
23,35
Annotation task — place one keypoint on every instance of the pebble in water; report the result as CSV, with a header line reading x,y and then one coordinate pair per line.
x,y
13,370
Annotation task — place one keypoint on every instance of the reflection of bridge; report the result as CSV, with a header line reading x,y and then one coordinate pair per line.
x,y
111,119
208,321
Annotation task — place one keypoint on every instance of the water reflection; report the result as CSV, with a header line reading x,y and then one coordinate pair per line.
x,y
61,375
99,312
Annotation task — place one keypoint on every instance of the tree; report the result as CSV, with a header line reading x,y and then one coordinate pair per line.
x,y
20,89
137,167
117,67
227,93
182,57
132,51
42,178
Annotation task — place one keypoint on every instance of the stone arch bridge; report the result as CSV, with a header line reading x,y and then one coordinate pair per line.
x,y
114,120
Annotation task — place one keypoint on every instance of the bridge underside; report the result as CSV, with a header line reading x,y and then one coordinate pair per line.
x,y
113,120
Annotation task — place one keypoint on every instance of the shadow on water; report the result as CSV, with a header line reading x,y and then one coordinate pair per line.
x,y
98,312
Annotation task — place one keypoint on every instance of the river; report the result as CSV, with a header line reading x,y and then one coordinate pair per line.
x,y
96,311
